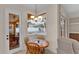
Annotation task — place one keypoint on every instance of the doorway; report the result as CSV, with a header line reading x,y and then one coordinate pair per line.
x,y
13,31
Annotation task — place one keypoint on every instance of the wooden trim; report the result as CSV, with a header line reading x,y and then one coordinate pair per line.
x,y
74,36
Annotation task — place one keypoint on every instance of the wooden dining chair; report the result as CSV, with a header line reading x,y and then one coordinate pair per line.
x,y
34,48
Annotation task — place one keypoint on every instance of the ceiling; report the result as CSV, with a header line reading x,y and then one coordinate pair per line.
x,y
72,10
28,6
40,7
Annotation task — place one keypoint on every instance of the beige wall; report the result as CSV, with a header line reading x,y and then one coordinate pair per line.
x,y
1,31
52,28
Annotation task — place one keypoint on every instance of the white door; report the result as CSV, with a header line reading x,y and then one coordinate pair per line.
x,y
13,30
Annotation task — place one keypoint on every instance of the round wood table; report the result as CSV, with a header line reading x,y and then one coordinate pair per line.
x,y
41,43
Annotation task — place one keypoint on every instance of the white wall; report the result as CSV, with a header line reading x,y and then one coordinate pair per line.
x,y
24,26
1,31
74,25
52,28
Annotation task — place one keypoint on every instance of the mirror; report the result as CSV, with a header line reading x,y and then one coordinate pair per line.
x,y
36,26
13,31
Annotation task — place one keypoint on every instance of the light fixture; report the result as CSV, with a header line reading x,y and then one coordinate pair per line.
x,y
39,16
35,18
32,17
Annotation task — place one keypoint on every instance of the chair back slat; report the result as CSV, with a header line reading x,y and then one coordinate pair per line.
x,y
33,48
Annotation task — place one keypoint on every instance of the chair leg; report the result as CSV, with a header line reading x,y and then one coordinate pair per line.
x,y
43,50
27,52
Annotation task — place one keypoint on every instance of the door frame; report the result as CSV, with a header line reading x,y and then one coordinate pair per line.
x,y
17,12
